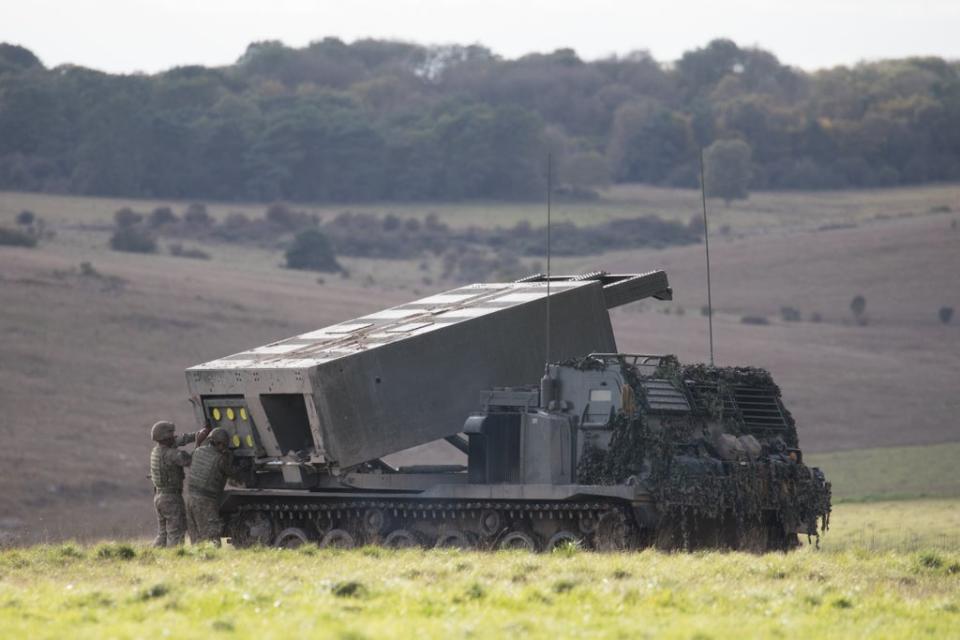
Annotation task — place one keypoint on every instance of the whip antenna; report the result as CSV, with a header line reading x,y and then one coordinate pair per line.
x,y
706,240
549,190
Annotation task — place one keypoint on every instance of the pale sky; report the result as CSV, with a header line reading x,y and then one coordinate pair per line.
x,y
152,35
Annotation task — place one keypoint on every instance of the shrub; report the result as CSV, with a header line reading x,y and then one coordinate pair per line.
x,y
70,551
567,548
235,219
237,227
180,251
156,591
929,560
127,217
285,217
161,216
26,218
790,314
132,240
349,589
564,586
858,306
475,592
311,251
391,222
196,215
945,314
112,551
754,320
16,238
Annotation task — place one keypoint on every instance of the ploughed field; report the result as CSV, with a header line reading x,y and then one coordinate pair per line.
x,y
896,581
91,356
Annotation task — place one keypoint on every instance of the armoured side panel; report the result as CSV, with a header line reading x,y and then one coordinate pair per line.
x,y
417,390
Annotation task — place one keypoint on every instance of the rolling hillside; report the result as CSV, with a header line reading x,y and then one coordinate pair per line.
x,y
91,356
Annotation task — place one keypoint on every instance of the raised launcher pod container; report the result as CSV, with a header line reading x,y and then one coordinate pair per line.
x,y
359,390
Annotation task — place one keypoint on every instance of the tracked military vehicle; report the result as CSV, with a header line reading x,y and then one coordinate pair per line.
x,y
602,449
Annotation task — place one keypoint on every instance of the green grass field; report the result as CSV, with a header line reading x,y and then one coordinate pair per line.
x,y
892,473
845,589
766,209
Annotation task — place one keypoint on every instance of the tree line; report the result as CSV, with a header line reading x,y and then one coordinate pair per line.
x,y
384,120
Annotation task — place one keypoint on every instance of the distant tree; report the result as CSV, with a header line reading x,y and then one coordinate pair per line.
x,y
584,170
15,57
311,251
945,314
16,238
790,314
26,218
386,120
701,69
280,214
196,215
727,169
648,141
133,240
392,222
161,216
127,217
180,251
236,219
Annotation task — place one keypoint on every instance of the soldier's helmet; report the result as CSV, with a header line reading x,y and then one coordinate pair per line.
x,y
162,431
219,436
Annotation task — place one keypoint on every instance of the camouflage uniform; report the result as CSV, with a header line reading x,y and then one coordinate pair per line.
x,y
211,467
166,472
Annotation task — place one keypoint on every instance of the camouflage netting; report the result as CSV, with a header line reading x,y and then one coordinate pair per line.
x,y
673,455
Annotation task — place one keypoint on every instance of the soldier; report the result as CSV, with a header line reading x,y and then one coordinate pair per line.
x,y
166,472
212,465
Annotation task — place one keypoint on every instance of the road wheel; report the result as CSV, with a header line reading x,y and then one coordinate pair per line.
x,y
562,539
587,523
374,522
401,539
518,541
490,522
338,539
249,529
291,538
453,539
613,532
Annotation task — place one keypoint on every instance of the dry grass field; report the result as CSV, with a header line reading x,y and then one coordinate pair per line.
x,y
89,359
